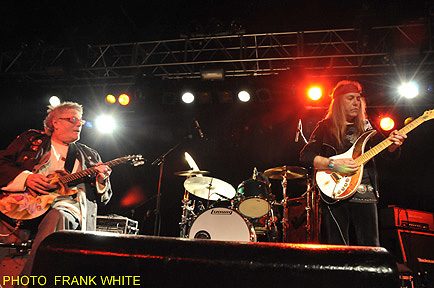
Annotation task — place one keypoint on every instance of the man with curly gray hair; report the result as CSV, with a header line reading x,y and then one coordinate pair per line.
x,y
28,164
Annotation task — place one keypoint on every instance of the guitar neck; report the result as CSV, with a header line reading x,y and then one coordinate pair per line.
x,y
362,159
89,171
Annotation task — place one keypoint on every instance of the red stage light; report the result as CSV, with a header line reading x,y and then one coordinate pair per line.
x,y
133,197
387,123
314,93
124,99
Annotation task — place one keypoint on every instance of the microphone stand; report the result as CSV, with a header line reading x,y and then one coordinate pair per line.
x,y
160,162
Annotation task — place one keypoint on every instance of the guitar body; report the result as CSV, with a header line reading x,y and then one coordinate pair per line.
x,y
29,205
338,186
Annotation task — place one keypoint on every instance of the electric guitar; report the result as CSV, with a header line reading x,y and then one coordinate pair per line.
x,y
28,205
339,186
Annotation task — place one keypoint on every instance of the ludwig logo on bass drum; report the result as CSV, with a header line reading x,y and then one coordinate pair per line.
x,y
221,212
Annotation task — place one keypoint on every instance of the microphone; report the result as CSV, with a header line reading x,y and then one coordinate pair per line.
x,y
196,124
297,134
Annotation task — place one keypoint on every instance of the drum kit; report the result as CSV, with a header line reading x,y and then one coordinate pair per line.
x,y
248,213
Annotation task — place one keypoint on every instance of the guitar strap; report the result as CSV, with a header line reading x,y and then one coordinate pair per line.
x,y
70,157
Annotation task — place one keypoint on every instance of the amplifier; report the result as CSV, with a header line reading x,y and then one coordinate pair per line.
x,y
395,217
117,224
415,249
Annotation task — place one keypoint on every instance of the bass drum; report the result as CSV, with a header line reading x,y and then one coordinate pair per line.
x,y
254,196
222,224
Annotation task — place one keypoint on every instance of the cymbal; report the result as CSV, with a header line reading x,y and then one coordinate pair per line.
x,y
287,172
191,172
209,188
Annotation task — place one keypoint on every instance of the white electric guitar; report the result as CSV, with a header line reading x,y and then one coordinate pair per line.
x,y
339,186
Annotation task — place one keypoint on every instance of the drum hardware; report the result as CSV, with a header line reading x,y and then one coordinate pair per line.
x,y
187,215
285,173
266,227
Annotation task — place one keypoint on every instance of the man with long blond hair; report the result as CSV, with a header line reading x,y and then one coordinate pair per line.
x,y
345,121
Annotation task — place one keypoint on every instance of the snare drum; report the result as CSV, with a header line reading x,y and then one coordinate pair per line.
x,y
254,196
222,224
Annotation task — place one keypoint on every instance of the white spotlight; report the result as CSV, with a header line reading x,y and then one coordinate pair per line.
x,y
105,124
54,101
244,96
187,97
409,90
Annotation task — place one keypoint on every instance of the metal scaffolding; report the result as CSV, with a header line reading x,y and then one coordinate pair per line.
x,y
334,52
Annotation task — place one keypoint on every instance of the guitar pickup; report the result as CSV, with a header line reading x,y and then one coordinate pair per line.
x,y
335,177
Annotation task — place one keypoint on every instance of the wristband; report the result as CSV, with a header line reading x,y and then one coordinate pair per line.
x,y
331,164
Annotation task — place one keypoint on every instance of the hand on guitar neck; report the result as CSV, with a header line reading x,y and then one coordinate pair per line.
x,y
44,185
397,140
103,171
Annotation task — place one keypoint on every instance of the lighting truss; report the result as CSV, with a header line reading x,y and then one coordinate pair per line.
x,y
332,52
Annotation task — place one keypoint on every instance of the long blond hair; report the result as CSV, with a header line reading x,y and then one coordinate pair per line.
x,y
336,112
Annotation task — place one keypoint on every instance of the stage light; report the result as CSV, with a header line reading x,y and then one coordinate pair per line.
x,y
105,124
216,74
124,99
244,96
263,95
408,120
205,98
314,93
110,99
187,98
225,97
387,123
409,90
54,101
169,98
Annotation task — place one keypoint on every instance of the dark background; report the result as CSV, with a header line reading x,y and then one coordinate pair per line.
x,y
238,137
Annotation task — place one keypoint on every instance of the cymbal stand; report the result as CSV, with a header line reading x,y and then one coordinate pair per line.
x,y
312,212
209,193
285,219
187,214
309,208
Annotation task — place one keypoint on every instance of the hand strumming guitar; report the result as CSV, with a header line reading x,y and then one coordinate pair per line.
x,y
345,166
39,183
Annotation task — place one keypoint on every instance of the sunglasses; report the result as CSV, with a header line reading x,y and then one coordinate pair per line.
x,y
73,120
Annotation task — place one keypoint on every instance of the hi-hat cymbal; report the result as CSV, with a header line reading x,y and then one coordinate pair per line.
x,y
191,172
287,172
209,188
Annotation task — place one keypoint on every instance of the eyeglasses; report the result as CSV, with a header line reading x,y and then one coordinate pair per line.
x,y
73,120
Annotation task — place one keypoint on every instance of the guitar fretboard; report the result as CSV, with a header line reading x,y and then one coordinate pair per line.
x,y
362,159
90,171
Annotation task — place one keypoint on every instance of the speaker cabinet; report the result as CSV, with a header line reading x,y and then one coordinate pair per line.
x,y
176,262
415,249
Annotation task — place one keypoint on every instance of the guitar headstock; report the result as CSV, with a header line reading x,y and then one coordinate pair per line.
x,y
135,160
428,115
